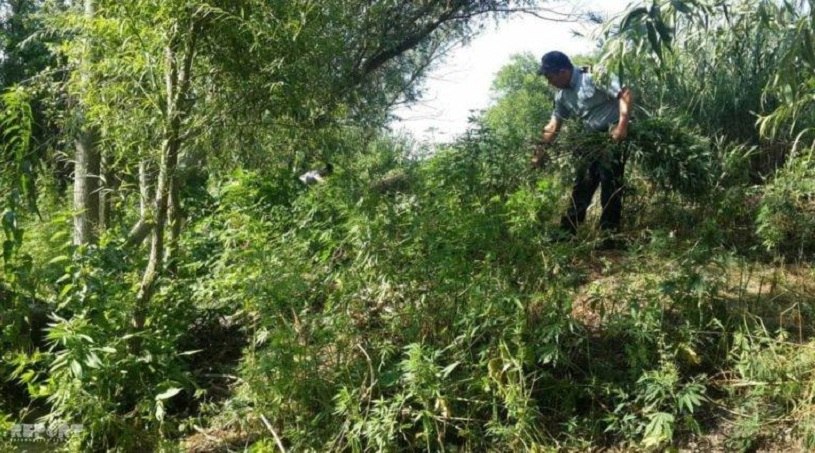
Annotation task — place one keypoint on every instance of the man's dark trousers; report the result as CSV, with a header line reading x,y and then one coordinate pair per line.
x,y
604,168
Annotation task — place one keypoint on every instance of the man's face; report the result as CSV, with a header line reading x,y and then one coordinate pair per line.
x,y
559,79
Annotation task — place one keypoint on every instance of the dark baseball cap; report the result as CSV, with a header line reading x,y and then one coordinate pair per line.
x,y
554,61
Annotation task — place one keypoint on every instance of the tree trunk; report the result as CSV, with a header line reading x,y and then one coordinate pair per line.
x,y
86,167
177,80
144,226
104,201
86,188
107,186
174,218
169,160
144,189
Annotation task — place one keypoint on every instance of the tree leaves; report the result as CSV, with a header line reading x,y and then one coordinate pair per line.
x,y
632,18
659,429
16,173
681,6
653,38
167,394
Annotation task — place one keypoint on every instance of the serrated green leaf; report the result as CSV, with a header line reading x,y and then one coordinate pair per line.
x,y
76,368
449,369
65,290
92,360
659,429
28,376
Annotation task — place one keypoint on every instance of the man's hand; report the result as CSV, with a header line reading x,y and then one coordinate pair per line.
x,y
625,100
550,131
619,133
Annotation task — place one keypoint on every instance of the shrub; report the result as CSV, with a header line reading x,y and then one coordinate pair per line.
x,y
786,217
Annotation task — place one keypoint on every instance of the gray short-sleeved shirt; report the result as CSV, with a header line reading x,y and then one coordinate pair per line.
x,y
597,107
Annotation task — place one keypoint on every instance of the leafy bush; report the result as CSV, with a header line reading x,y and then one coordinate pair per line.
x,y
674,155
786,215
91,372
772,384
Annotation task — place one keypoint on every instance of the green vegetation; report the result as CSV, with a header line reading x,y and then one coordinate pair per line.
x,y
168,284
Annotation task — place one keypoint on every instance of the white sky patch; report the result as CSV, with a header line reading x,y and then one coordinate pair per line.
x,y
460,86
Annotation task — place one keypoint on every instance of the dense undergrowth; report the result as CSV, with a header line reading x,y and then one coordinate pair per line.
x,y
424,303
433,314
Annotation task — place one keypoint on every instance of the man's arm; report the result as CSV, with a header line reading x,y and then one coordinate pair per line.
x,y
550,130
625,99
549,133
